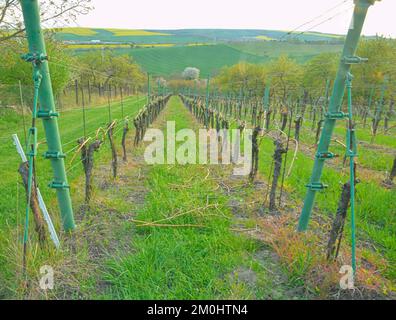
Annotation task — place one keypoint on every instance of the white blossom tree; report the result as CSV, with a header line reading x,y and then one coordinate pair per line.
x,y
53,13
191,73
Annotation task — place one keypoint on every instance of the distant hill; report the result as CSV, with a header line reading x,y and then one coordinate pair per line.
x,y
210,59
168,52
184,36
173,60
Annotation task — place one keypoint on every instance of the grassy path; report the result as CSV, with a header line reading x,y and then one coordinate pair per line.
x,y
111,256
70,125
12,201
191,252
376,156
191,231
375,214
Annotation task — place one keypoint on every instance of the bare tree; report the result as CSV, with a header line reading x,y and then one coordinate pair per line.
x,y
54,13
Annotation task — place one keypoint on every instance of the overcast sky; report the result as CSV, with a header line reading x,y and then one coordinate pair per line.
x,y
250,14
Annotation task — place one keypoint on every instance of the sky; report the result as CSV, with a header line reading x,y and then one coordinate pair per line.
x,y
243,14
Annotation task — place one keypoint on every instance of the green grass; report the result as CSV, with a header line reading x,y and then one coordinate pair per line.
x,y
178,262
210,58
366,136
375,214
71,128
13,201
181,36
367,154
375,210
129,36
173,263
301,52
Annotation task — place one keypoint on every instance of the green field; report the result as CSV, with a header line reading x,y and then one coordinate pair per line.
x,y
375,214
182,36
298,51
210,59
186,263
173,60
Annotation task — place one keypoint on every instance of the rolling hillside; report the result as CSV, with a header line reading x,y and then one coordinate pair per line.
x,y
183,36
211,58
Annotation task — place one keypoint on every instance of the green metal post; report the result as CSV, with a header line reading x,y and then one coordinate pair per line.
x,y
334,111
47,111
148,89
380,104
326,102
207,102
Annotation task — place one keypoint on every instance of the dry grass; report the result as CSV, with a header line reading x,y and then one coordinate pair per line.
x,y
304,259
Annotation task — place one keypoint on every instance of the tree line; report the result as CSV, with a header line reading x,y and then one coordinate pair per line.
x,y
290,80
